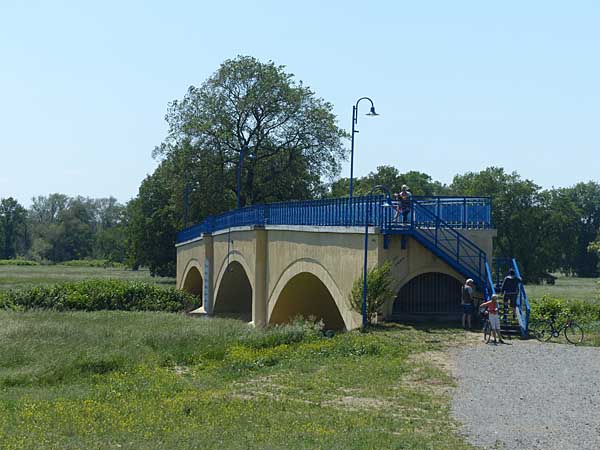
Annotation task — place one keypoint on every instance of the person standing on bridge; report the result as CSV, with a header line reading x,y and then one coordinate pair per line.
x,y
467,301
403,205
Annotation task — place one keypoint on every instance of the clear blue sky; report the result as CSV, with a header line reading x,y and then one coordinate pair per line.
x,y
460,85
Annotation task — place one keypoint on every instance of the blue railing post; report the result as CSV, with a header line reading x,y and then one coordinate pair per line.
x,y
524,314
458,246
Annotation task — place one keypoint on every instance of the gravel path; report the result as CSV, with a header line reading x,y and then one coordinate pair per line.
x,y
545,396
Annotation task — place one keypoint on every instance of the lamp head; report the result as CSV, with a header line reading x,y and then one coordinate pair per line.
x,y
372,112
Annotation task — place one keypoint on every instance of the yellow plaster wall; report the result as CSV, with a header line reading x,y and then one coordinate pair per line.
x,y
335,258
241,249
189,255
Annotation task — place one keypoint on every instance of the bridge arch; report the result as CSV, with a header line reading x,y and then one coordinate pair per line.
x,y
234,290
192,281
306,288
429,293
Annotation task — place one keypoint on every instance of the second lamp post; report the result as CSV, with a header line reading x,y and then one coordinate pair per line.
x,y
354,130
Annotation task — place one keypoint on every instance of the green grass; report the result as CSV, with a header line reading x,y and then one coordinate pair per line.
x,y
163,381
568,288
18,277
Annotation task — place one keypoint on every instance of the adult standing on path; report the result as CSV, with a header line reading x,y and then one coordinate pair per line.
x,y
467,303
510,289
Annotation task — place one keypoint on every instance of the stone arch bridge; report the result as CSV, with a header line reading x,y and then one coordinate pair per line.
x,y
270,263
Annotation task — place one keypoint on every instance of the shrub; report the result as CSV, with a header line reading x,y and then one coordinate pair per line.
x,y
579,310
96,295
379,282
18,262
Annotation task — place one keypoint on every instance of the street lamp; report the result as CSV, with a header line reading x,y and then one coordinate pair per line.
x,y
354,122
388,203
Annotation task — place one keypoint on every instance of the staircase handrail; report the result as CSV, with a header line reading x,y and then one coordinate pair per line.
x,y
522,297
490,289
461,239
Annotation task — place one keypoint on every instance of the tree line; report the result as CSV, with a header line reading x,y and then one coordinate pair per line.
x,y
547,230
58,228
252,125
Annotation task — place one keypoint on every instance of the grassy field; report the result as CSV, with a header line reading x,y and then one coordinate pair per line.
x,y
568,288
16,277
164,381
101,380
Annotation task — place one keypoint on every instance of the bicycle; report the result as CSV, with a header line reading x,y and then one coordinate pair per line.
x,y
545,330
487,327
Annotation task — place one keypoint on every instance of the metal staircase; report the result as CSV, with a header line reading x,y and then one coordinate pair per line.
x,y
447,243
511,325
463,255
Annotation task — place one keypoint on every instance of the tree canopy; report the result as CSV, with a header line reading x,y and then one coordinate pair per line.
x,y
287,137
249,116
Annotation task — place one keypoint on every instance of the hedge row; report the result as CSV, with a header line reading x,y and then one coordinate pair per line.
x,y
18,262
93,263
96,295
73,263
579,310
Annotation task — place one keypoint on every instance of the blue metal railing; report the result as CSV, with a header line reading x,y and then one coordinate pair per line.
x,y
502,265
455,212
522,301
489,289
457,250
460,212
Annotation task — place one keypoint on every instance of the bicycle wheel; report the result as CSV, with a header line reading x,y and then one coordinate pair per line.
x,y
487,331
542,331
574,333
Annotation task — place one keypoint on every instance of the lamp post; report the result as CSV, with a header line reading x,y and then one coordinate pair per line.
x,y
367,217
354,130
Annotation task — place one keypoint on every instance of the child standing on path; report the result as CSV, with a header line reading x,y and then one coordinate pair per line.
x,y
492,308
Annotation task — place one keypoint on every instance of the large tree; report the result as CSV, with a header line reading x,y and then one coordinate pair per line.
x,y
587,198
153,219
251,116
287,137
13,228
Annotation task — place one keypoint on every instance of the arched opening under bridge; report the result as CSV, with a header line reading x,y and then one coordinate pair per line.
x,y
234,295
193,284
429,295
305,295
